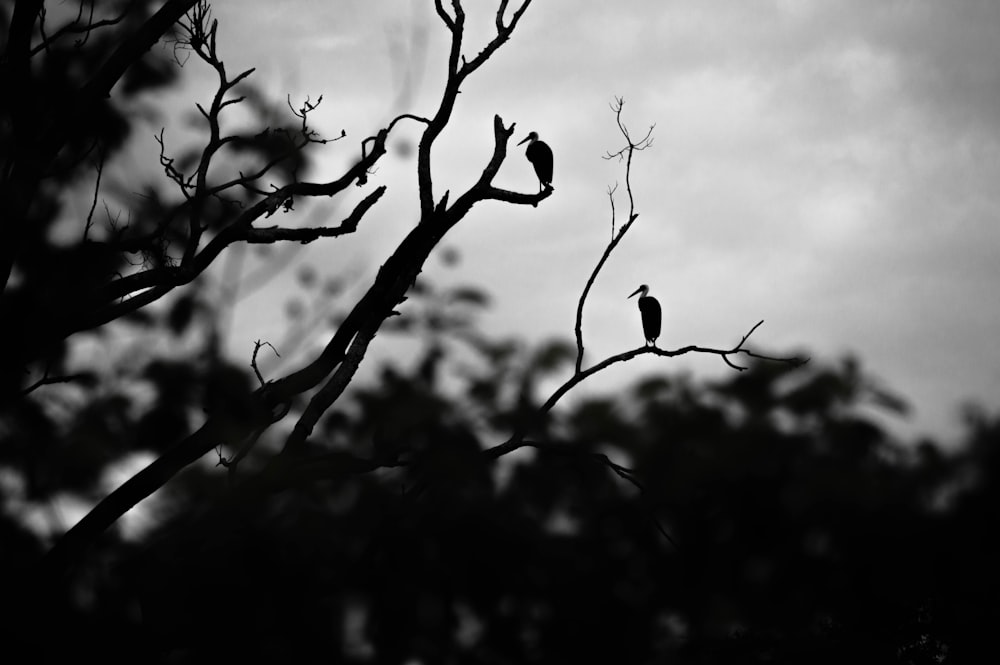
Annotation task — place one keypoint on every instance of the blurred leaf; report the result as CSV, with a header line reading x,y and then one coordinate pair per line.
x,y
552,355
295,309
139,316
450,256
651,389
469,296
889,401
182,313
307,276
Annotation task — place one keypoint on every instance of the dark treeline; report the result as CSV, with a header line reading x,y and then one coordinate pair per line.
x,y
775,523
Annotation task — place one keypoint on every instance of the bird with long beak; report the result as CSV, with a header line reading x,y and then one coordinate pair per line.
x,y
540,156
649,309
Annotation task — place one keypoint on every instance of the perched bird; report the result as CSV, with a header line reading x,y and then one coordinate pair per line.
x,y
649,308
540,156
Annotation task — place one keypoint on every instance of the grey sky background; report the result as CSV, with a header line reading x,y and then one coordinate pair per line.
x,y
829,167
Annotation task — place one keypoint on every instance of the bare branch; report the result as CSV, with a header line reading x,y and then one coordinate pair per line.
x,y
456,74
507,196
408,116
346,348
500,12
253,360
448,21
47,380
75,27
503,34
201,37
629,148
306,235
165,279
484,190
329,393
97,188
516,441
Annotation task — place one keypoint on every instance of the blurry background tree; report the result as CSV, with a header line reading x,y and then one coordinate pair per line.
x,y
763,518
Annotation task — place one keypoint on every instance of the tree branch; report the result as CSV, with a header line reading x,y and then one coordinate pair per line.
x,y
629,148
164,279
333,389
97,189
517,440
503,34
347,346
349,225
74,27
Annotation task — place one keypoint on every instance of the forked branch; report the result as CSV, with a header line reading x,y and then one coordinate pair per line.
x,y
334,366
517,440
626,152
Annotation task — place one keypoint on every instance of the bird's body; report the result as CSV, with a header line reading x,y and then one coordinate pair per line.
x,y
649,309
540,156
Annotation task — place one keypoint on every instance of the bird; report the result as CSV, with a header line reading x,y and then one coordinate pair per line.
x,y
540,156
649,308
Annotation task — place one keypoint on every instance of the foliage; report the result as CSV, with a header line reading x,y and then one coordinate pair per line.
x,y
762,527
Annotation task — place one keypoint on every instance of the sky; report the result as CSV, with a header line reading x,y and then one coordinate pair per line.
x,y
828,167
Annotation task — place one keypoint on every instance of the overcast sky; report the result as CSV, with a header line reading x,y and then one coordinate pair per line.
x,y
829,167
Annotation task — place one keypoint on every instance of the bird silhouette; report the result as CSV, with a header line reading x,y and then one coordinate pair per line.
x,y
649,308
540,156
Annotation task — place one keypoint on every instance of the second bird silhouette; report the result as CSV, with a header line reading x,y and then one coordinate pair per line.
x,y
649,308
540,156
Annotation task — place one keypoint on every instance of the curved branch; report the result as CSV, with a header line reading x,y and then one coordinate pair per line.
x,y
503,34
349,225
517,440
74,27
239,229
496,194
68,547
484,190
629,148
456,75
329,393
346,347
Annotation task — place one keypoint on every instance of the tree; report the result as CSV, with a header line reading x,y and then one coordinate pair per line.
x,y
65,122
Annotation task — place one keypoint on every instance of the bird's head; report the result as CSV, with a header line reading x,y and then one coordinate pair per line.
x,y
643,289
533,136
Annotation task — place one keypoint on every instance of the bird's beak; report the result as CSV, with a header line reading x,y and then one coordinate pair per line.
x,y
637,291
525,139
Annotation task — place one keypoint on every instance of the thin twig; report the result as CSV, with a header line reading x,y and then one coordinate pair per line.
x,y
97,189
306,235
253,361
74,27
629,148
51,380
